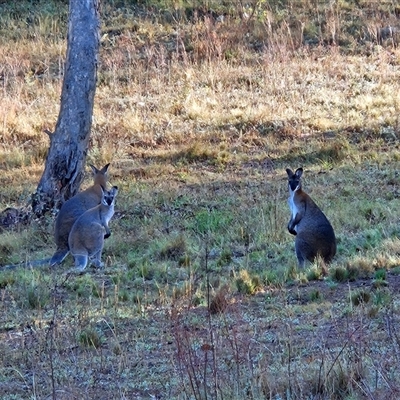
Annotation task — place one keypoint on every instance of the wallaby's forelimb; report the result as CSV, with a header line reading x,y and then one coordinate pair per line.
x,y
292,224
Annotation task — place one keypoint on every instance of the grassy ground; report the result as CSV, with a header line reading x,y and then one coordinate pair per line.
x,y
200,297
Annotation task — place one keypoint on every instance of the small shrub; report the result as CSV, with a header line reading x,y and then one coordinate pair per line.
x,y
373,311
360,267
225,258
380,274
292,274
246,284
385,262
6,279
117,349
98,291
352,273
316,295
90,338
181,290
197,299
380,278
382,297
219,303
378,283
174,250
184,261
339,274
83,286
273,278
314,274
360,298
123,295
338,385
37,297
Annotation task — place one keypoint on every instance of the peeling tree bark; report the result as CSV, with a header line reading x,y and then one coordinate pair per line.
x,y
66,158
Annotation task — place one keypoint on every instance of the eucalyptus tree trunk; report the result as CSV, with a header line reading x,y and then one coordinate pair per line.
x,y
66,158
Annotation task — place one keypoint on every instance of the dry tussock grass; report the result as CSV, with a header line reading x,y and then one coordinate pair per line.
x,y
155,92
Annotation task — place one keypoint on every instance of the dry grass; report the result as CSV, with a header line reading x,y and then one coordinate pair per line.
x,y
200,297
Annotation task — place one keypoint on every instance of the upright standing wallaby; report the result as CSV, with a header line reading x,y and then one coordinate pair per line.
x,y
314,233
74,208
86,239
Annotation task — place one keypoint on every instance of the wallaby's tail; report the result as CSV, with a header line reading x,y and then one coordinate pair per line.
x,y
27,264
58,257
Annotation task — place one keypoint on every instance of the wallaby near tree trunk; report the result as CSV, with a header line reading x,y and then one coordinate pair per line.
x,y
86,239
70,211
73,208
314,233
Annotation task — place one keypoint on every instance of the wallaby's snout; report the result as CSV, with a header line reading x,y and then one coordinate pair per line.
x,y
313,231
86,239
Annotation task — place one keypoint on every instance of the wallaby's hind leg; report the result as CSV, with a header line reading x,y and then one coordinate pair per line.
x,y
96,250
58,256
81,261
96,260
301,261
304,251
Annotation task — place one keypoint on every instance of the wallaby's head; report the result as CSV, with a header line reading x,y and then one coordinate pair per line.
x,y
294,179
108,197
100,175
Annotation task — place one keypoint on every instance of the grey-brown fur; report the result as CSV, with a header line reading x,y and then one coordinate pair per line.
x,y
314,233
74,208
86,239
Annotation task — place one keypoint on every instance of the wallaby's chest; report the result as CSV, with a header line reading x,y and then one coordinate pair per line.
x,y
294,208
106,213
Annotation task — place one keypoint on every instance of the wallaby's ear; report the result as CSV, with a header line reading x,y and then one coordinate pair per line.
x,y
299,172
105,168
94,169
289,172
102,171
114,190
